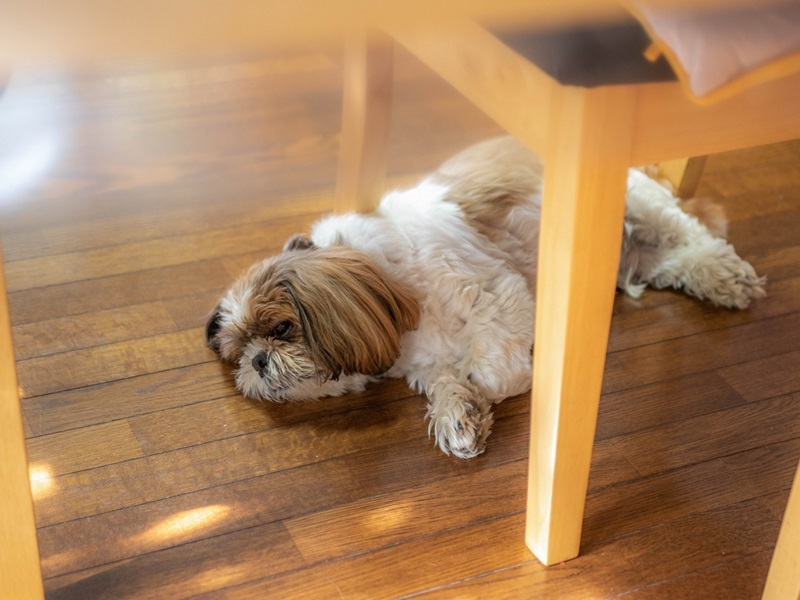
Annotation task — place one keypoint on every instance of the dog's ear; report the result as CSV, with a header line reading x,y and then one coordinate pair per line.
x,y
213,325
298,242
353,315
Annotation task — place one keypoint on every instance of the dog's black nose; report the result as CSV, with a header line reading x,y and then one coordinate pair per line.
x,y
260,362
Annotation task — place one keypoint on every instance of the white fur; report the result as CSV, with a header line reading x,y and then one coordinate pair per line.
x,y
475,336
473,343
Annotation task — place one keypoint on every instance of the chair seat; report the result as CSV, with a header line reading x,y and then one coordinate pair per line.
x,y
609,54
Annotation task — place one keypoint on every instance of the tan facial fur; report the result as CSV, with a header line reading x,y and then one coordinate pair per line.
x,y
310,313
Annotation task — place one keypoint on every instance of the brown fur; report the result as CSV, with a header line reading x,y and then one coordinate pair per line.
x,y
709,213
489,179
325,293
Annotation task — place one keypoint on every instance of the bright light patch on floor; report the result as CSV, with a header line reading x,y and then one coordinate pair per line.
x,y
28,164
186,522
42,483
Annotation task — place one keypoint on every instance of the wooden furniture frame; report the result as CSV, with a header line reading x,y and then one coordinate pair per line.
x,y
588,139
20,572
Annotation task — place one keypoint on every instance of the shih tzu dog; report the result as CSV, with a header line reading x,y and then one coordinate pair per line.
x,y
438,286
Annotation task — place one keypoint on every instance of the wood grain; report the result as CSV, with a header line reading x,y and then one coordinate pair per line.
x,y
721,433
92,329
736,579
110,442
186,570
91,366
392,518
164,481
134,395
54,302
82,544
20,573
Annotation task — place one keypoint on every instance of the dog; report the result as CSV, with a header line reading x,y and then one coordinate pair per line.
x,y
438,286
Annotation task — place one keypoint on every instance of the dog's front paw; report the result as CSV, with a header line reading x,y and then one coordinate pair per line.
x,y
461,429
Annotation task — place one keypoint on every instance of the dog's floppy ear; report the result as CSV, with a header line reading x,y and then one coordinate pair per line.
x,y
298,242
213,325
353,315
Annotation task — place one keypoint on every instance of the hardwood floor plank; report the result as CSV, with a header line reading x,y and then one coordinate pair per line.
x,y
189,469
85,543
696,353
751,173
609,466
589,576
150,254
700,541
391,517
170,222
198,423
186,570
403,569
79,368
777,229
664,402
643,558
721,433
779,263
766,469
54,302
766,378
625,508
686,317
123,398
84,449
776,503
392,467
138,481
92,329
397,517
742,579
193,310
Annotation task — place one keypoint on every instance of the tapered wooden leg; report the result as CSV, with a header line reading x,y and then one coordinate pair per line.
x,y
366,111
20,573
783,580
581,233
684,174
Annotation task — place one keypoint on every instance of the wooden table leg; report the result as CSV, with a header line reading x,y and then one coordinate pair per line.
x,y
581,233
20,572
366,112
783,580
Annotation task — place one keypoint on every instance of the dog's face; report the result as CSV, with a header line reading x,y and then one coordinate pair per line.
x,y
299,320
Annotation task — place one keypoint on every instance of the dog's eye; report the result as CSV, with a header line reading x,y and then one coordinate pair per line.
x,y
281,329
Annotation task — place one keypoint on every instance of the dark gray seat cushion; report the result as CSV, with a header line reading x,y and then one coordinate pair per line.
x,y
608,54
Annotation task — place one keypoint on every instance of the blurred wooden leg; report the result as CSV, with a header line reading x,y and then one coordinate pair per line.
x,y
20,573
366,112
783,580
581,232
684,174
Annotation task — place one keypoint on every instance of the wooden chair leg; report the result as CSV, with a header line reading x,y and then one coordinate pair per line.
x,y
581,233
684,174
20,573
783,580
366,111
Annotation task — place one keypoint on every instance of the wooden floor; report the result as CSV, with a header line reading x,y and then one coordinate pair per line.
x,y
130,198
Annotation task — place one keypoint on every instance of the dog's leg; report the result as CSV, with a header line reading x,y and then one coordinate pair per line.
x,y
460,417
665,247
